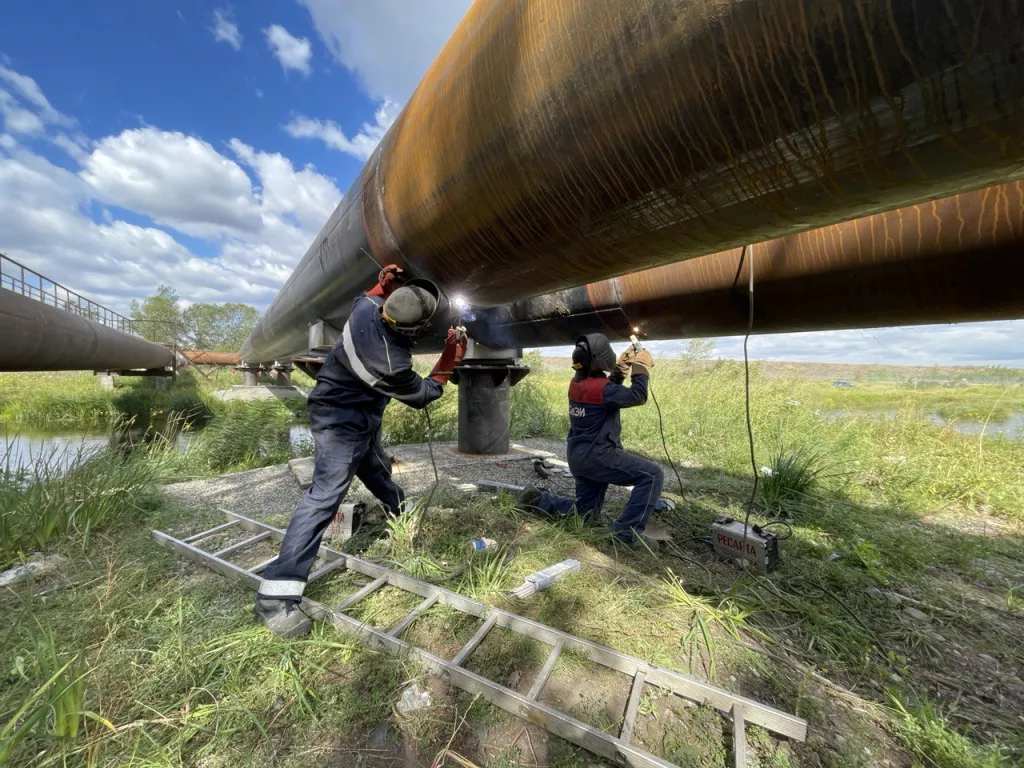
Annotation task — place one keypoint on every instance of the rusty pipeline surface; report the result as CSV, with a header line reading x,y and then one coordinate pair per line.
x,y
959,258
38,337
205,357
556,142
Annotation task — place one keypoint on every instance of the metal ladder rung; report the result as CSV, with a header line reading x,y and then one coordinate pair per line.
x,y
199,536
327,569
354,598
260,567
241,545
739,737
611,747
474,641
414,614
629,721
545,671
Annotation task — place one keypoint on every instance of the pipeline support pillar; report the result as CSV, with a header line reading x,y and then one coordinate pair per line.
x,y
250,375
485,378
284,375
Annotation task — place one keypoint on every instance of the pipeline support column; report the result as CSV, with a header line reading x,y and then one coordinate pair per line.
x,y
485,378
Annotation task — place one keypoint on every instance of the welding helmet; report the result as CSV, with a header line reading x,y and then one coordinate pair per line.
x,y
593,348
409,310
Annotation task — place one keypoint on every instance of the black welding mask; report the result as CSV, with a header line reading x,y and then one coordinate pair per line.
x,y
594,348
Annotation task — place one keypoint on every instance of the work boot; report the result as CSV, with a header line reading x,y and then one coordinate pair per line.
x,y
529,497
283,617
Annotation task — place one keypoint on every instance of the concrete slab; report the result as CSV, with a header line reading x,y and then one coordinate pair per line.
x,y
276,490
303,471
261,392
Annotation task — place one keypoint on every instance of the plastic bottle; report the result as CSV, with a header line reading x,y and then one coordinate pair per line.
x,y
482,543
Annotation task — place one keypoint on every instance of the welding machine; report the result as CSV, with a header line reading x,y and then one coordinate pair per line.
x,y
756,545
345,521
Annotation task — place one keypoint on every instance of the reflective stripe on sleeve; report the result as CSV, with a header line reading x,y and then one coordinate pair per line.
x,y
353,358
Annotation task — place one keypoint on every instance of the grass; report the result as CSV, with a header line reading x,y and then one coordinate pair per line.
x,y
46,503
240,436
76,399
887,514
957,400
790,477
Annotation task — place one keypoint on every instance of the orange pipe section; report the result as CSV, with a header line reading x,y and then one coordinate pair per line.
x,y
554,140
204,357
959,258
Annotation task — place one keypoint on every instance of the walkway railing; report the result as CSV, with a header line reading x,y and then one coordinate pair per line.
x,y
18,278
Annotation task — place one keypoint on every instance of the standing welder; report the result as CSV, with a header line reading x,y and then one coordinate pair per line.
x,y
370,365
595,453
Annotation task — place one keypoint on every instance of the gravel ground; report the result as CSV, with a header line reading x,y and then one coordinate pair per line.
x,y
257,492
274,490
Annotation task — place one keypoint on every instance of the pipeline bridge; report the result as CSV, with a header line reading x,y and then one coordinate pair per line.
x,y
49,327
568,167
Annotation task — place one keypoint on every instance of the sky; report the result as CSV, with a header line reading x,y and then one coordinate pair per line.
x,y
202,146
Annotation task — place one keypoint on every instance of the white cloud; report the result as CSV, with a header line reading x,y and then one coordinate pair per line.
x,y
256,210
27,90
44,224
178,180
27,112
224,28
76,145
387,44
284,192
17,119
361,145
993,343
996,343
292,52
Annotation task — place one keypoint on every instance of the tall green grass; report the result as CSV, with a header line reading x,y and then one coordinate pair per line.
x,y
57,496
77,399
900,459
242,436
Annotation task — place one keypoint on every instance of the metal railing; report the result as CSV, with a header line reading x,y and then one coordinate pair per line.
x,y
18,278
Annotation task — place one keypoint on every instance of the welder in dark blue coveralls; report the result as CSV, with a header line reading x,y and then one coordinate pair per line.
x,y
370,365
595,453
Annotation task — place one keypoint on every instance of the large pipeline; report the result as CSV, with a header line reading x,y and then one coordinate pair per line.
x,y
959,258
555,142
38,337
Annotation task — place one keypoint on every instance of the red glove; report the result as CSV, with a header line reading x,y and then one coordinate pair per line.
x,y
454,349
389,278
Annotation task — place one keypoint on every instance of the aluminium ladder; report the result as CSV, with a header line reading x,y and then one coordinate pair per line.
x,y
741,710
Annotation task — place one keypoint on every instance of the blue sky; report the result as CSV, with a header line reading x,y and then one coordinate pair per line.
x,y
203,146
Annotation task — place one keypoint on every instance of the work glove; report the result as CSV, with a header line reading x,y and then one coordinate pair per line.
x,y
642,363
451,356
624,361
389,278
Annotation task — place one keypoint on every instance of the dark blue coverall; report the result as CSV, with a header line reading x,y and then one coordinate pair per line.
x,y
597,458
370,365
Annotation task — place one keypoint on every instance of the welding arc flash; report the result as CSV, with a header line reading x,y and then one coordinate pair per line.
x,y
460,302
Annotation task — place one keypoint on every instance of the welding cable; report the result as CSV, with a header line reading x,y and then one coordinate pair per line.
x,y
664,444
437,479
661,424
787,526
746,380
